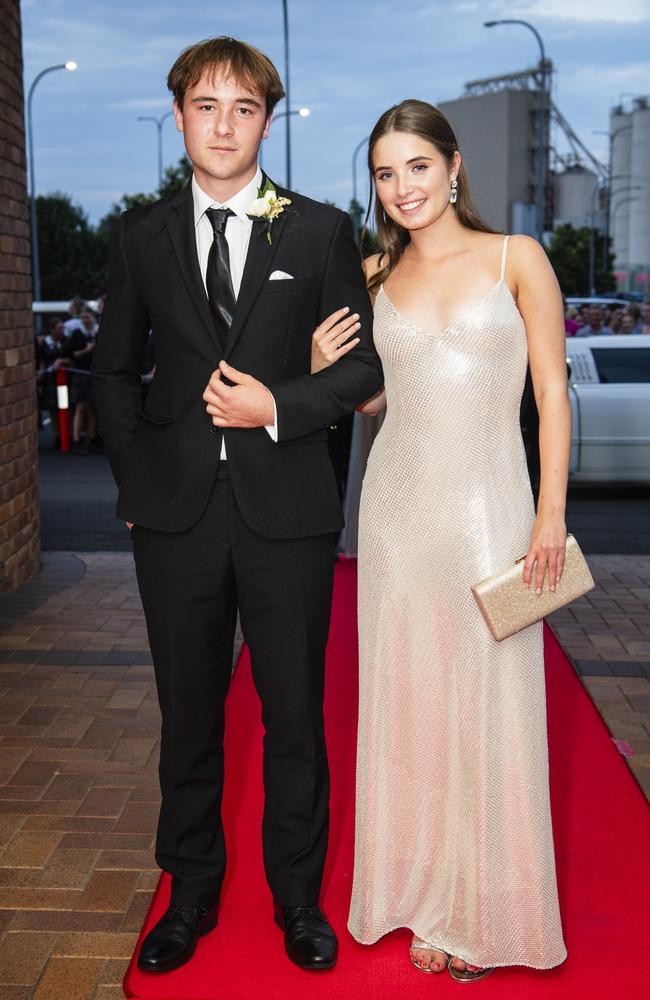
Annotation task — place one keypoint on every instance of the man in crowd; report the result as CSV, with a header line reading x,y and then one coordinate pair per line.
x,y
594,326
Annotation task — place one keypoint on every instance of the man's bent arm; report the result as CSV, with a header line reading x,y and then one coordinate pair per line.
x,y
123,332
309,402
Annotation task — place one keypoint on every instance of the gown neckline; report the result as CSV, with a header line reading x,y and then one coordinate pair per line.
x,y
461,319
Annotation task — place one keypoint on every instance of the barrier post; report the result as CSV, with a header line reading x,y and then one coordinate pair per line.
x,y
63,405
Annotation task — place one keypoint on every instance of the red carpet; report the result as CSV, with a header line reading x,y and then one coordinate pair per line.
x,y
601,832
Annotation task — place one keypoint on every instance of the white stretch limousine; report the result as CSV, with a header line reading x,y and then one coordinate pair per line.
x,y
609,386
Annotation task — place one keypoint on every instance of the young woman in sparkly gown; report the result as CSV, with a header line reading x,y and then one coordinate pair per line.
x,y
453,824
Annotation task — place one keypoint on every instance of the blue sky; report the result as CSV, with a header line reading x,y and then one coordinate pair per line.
x,y
349,62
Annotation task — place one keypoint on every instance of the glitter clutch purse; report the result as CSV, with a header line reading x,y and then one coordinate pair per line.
x,y
508,606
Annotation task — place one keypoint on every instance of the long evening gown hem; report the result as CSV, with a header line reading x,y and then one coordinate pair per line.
x,y
465,955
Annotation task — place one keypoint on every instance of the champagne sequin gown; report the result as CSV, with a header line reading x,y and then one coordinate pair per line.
x,y
453,824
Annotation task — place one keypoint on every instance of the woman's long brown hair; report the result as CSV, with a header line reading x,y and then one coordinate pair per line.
x,y
417,118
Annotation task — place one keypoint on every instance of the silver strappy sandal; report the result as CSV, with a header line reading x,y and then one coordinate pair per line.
x,y
420,945
466,975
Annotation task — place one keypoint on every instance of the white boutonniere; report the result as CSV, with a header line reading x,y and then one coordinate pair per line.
x,y
267,206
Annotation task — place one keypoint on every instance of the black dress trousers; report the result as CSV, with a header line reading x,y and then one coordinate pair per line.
x,y
191,584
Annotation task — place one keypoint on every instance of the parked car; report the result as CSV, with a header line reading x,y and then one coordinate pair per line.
x,y
58,308
609,387
578,301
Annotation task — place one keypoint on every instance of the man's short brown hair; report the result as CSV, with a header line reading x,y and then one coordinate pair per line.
x,y
245,63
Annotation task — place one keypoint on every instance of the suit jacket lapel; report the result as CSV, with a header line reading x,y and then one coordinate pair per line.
x,y
181,231
180,227
256,269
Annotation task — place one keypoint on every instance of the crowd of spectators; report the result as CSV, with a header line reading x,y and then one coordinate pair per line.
x,y
69,343
592,320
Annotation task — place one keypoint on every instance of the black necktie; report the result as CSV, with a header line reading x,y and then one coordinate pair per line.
x,y
218,279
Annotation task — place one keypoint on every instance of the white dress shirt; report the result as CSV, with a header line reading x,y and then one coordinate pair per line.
x,y
238,234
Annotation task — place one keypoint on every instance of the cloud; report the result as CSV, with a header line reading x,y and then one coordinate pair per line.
x,y
626,11
142,104
349,63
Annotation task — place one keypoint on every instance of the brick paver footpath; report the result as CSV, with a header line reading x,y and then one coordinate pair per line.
x,y
79,727
607,636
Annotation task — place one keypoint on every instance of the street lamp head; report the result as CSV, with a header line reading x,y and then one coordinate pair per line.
x,y
71,65
489,24
304,112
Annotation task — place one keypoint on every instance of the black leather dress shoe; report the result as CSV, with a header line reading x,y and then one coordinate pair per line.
x,y
172,941
309,940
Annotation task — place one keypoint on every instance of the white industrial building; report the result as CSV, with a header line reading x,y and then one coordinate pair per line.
x,y
495,133
578,198
497,124
630,185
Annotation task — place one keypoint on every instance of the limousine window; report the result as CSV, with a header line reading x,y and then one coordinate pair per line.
x,y
629,364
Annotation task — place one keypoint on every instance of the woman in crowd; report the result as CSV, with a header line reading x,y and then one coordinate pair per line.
x,y
80,347
571,325
645,317
616,321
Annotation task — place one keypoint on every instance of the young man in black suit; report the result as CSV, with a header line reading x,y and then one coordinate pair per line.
x,y
226,480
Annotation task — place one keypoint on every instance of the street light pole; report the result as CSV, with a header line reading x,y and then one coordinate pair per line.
x,y
158,122
592,239
612,138
540,180
592,224
357,150
622,202
301,112
285,17
36,262
626,189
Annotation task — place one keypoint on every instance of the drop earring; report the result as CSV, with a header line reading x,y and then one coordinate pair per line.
x,y
453,196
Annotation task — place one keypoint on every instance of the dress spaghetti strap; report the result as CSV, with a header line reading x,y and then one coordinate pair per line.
x,y
503,257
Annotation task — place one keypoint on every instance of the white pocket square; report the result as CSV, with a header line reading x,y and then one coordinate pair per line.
x,y
280,276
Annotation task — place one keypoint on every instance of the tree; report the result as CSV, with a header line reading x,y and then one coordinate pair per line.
x,y
356,213
569,251
74,254
71,260
106,225
369,241
176,177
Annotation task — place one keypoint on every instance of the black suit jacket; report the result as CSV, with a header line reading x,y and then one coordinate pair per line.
x,y
164,456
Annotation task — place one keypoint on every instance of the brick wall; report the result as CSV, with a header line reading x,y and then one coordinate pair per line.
x,y
19,534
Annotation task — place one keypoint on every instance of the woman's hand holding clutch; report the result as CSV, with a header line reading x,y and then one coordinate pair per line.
x,y
546,552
